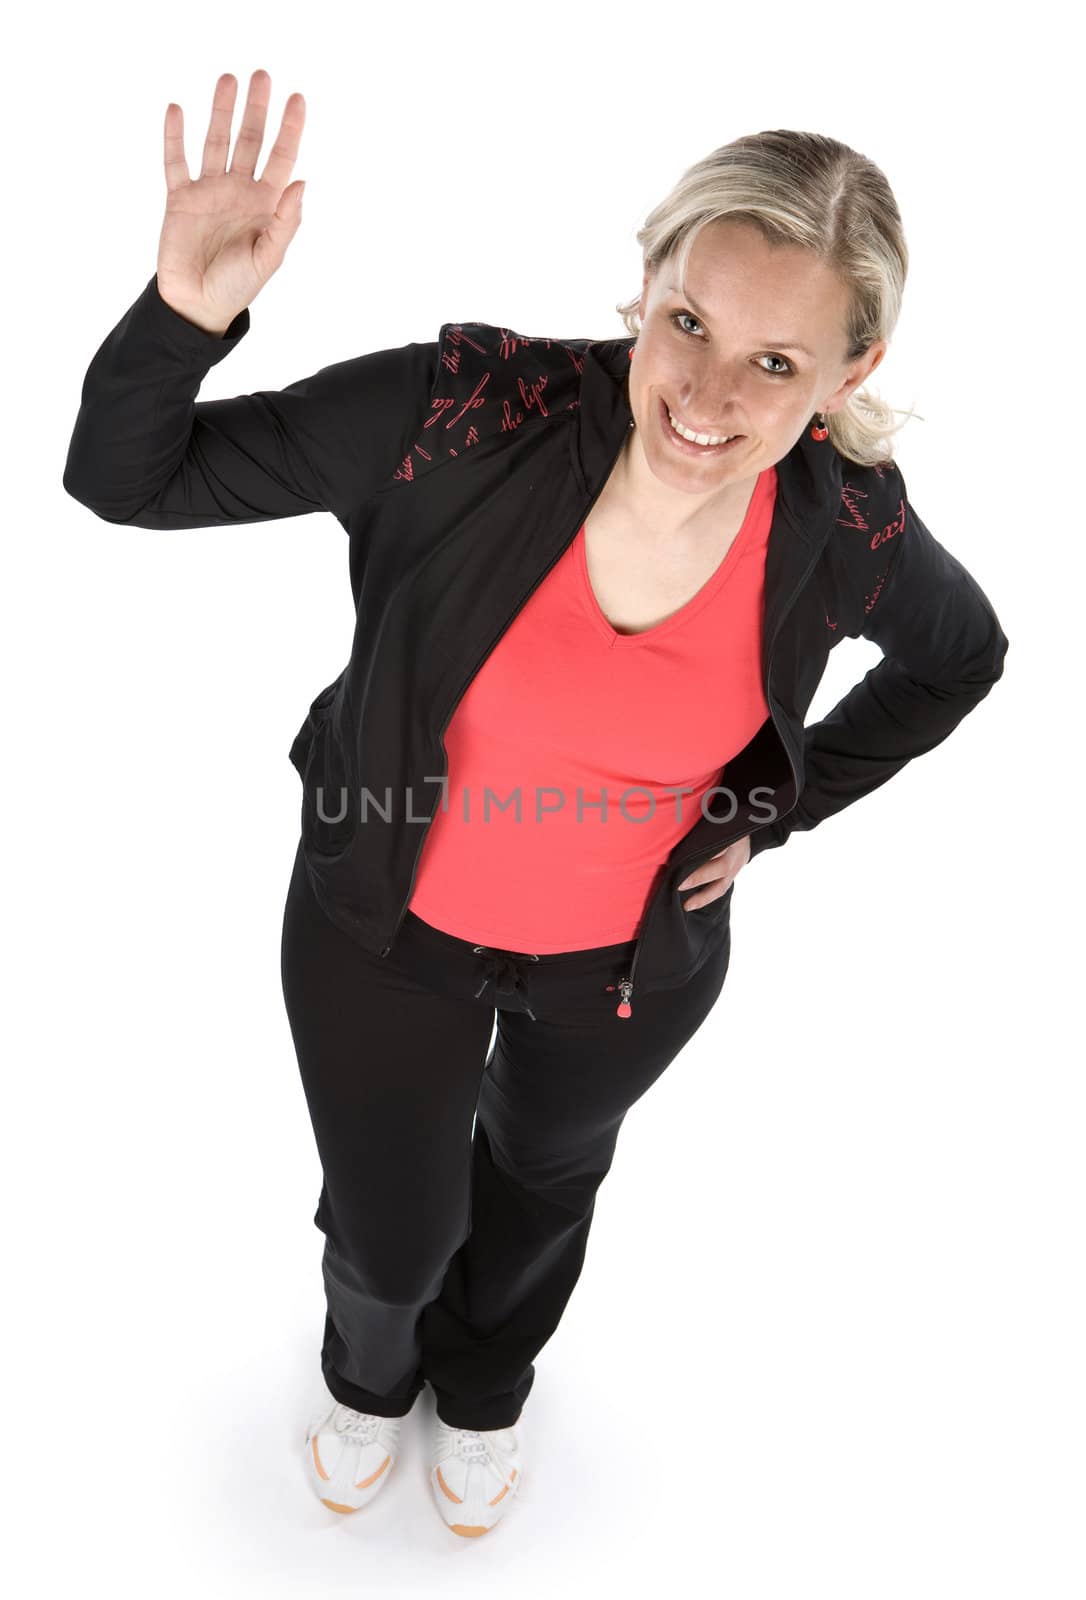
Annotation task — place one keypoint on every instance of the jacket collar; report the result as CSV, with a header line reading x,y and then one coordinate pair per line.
x,y
809,477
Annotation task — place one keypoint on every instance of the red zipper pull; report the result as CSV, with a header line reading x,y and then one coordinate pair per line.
x,y
625,1009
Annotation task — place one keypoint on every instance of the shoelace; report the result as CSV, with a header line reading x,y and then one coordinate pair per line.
x,y
502,966
358,1425
469,1445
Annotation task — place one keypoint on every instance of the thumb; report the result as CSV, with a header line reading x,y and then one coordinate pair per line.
x,y
288,213
271,246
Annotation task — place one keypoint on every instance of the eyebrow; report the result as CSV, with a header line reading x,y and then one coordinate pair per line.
x,y
770,344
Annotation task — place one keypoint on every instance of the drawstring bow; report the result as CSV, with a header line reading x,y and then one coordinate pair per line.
x,y
502,967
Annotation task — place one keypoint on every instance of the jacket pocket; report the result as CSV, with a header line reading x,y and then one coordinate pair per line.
x,y
328,818
303,739
715,910
705,924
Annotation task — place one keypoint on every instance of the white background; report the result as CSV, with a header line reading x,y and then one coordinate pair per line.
x,y
828,1340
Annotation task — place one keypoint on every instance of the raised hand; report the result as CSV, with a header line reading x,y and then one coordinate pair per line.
x,y
226,232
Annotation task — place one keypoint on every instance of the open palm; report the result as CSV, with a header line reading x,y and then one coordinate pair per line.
x,y
226,232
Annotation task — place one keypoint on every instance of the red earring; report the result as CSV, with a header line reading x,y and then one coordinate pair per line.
x,y
820,430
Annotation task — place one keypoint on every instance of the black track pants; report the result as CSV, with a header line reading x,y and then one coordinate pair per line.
x,y
450,1258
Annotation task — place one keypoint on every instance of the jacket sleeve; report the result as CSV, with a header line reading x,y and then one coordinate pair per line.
x,y
943,649
144,451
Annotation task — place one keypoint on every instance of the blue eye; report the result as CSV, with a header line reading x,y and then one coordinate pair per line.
x,y
787,374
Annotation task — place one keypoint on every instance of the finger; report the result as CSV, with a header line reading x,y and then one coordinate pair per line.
x,y
217,142
254,118
700,879
696,877
289,214
717,892
284,152
271,247
173,148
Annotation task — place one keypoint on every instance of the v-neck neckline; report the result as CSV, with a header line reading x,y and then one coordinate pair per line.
x,y
709,589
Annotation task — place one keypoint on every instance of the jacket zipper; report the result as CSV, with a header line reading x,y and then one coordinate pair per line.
x,y
626,985
464,685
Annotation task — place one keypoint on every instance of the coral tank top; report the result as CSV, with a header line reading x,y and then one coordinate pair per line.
x,y
579,756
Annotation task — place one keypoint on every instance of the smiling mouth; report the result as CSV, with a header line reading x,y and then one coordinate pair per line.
x,y
700,444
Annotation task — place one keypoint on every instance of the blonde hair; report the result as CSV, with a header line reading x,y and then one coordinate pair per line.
x,y
810,190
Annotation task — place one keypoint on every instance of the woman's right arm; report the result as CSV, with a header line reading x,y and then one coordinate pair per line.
x,y
143,450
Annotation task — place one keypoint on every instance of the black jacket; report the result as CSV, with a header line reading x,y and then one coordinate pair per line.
x,y
462,470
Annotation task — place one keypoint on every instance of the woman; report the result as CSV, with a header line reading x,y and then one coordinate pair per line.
x,y
559,550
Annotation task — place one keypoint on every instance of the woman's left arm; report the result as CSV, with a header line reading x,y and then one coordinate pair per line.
x,y
943,649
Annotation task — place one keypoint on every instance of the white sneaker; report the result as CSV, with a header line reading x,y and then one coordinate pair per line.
x,y
474,1475
350,1454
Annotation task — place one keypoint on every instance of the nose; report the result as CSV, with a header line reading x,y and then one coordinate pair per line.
x,y
711,409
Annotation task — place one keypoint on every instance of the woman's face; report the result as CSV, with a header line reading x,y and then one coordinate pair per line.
x,y
760,354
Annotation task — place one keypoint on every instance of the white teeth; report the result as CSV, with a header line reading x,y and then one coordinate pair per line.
x,y
698,438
